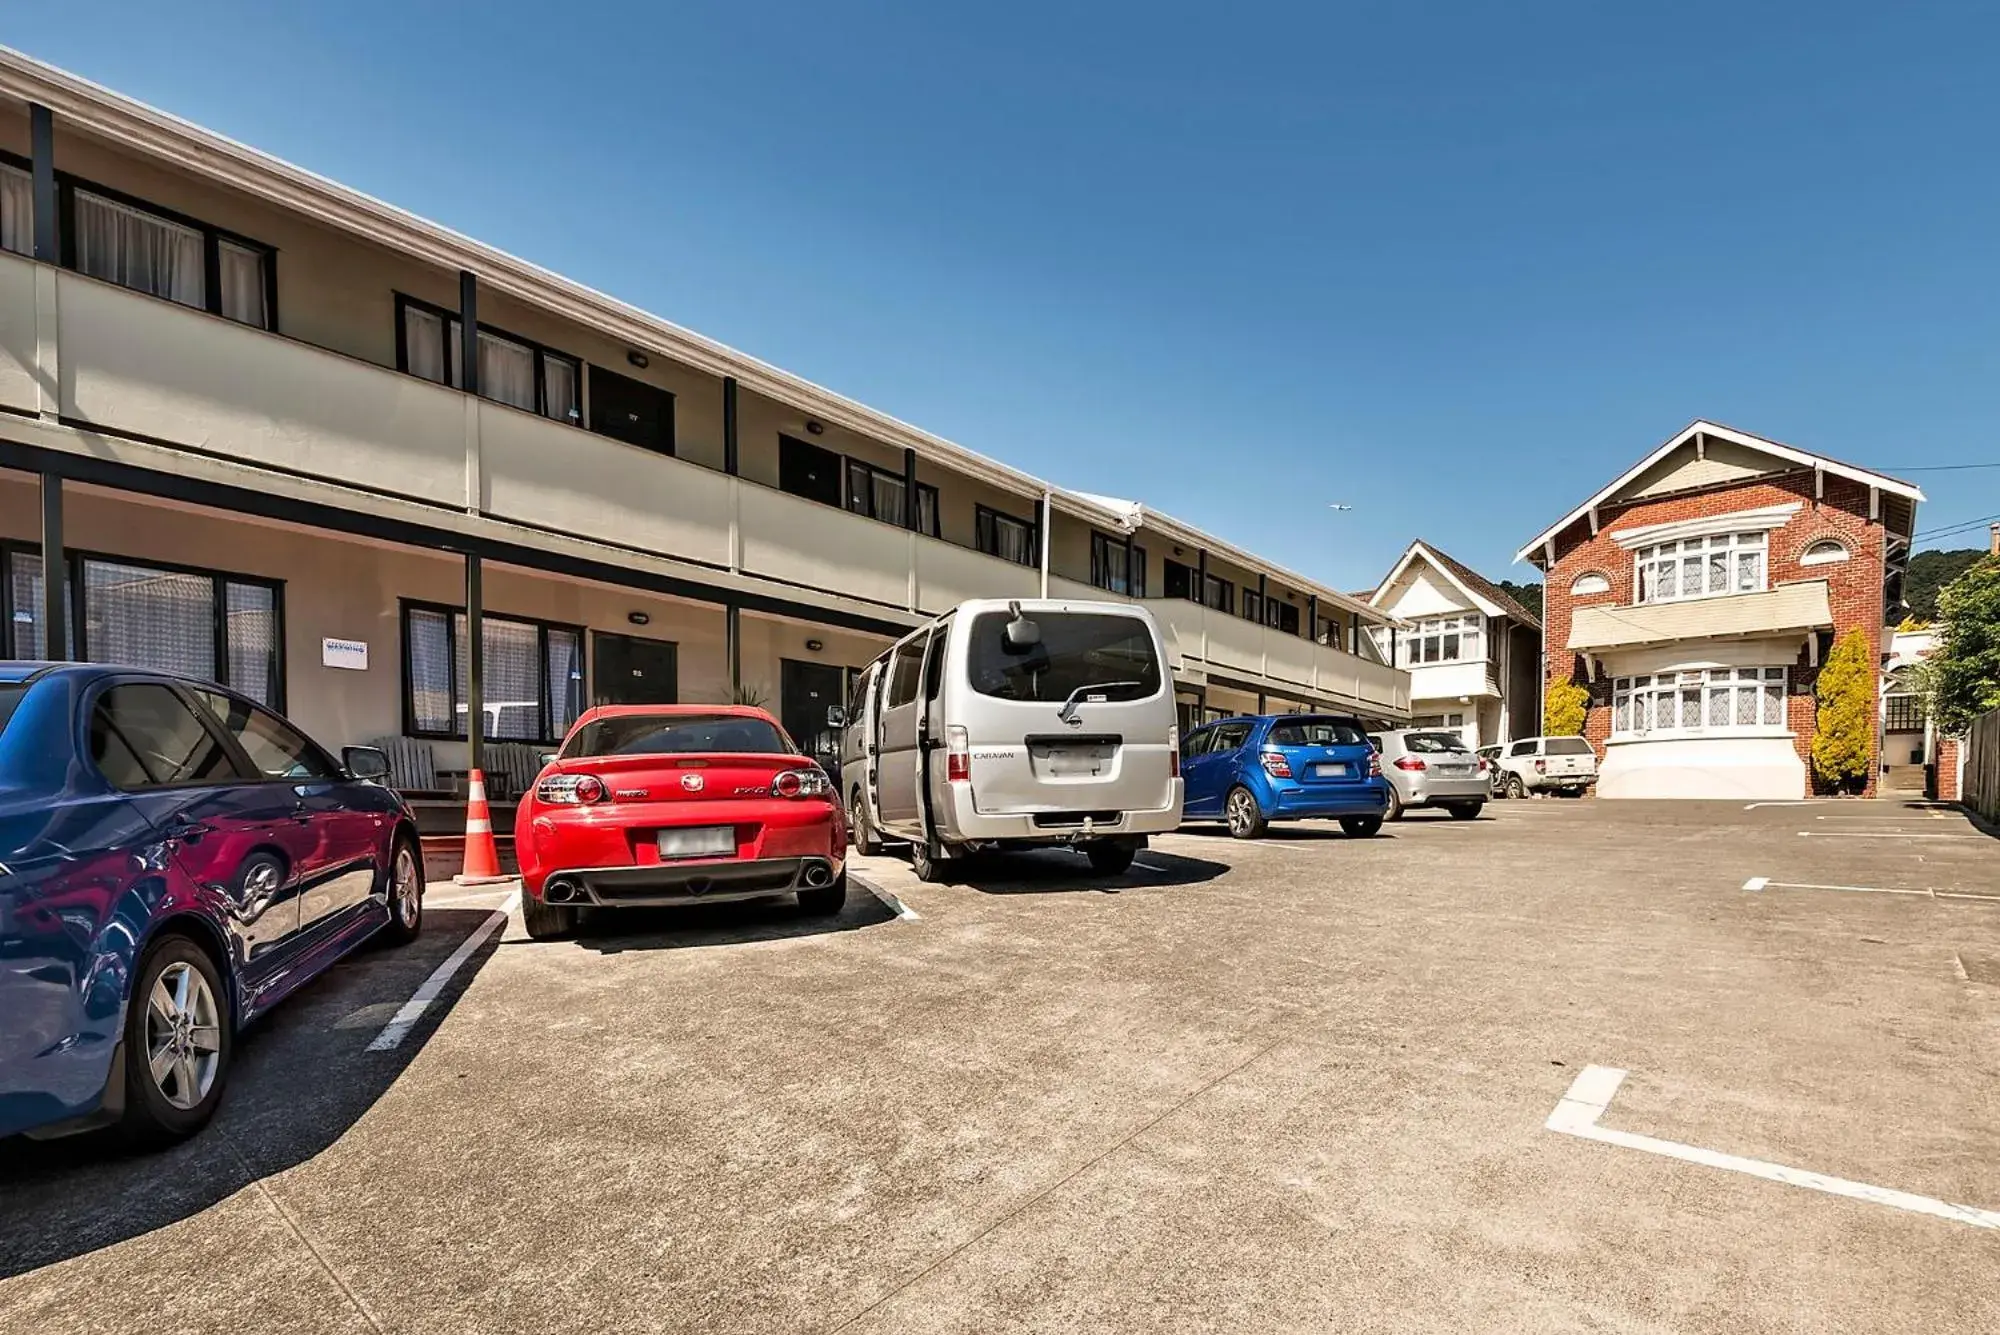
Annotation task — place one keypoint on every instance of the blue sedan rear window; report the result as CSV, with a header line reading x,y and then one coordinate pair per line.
x,y
1317,732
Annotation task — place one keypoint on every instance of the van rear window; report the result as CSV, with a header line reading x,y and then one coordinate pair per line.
x,y
1112,654
1568,746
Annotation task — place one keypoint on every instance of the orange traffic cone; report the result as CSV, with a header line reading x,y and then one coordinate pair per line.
x,y
482,857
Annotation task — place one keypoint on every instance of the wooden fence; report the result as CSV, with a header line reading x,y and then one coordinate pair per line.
x,y
1982,766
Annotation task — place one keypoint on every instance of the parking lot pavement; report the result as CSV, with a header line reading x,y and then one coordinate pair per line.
x,y
1300,1084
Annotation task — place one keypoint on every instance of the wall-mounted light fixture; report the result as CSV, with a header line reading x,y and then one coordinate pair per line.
x,y
814,428
638,359
814,646
639,618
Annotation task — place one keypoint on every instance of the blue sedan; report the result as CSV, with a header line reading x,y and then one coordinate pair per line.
x,y
1249,772
174,860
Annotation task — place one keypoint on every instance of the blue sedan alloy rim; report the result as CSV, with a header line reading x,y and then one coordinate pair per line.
x,y
403,896
1242,811
183,1035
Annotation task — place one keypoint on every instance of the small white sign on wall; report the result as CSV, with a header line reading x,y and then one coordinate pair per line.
x,y
351,654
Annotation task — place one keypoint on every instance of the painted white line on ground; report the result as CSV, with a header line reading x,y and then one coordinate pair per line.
x,y
398,1028
1754,805
1153,867
1858,834
895,905
1766,883
1591,1093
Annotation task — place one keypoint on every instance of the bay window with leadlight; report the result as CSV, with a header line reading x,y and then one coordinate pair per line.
x,y
1701,567
206,624
881,494
531,679
1108,566
512,370
1699,702
1006,537
1452,639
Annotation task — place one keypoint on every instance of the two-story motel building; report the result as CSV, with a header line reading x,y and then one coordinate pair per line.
x,y
361,467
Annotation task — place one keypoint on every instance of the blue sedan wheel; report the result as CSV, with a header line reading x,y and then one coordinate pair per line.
x,y
1246,819
177,1043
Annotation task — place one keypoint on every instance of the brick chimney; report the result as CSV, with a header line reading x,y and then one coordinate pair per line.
x,y
1993,540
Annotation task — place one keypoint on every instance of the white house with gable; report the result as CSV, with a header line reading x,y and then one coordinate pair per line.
x,y
1473,653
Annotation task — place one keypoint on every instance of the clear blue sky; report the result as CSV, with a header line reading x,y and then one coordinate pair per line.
x,y
1452,266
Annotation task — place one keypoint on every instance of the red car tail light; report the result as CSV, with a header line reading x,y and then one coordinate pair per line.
x,y
1275,765
957,755
1410,762
570,789
801,783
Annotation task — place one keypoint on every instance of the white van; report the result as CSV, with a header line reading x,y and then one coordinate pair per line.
x,y
1016,722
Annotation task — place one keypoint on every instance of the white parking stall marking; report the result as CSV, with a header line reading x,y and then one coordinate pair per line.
x,y
398,1028
1756,883
889,899
1590,1094
1869,834
1754,805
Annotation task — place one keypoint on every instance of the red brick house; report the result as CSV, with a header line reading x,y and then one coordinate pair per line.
x,y
1696,595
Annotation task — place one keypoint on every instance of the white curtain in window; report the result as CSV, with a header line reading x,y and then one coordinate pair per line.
x,y
243,289
17,211
506,371
561,389
138,250
423,343
143,617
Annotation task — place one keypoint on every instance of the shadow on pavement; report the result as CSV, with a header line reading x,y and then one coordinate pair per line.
x,y
302,1076
1292,832
615,931
1056,872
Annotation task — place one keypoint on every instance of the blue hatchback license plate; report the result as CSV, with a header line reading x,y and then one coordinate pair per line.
x,y
1330,770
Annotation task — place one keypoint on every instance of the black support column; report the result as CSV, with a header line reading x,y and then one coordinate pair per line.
x,y
55,569
475,662
1312,617
1263,602
732,648
910,517
1201,578
729,458
42,145
468,329
1128,566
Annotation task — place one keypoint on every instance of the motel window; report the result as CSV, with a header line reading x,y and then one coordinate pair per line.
x,y
880,494
1281,615
17,210
512,370
1220,594
135,245
1006,537
1703,701
200,623
533,675
1107,566
1453,639
1701,567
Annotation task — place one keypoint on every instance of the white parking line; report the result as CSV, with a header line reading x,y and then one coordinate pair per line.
x,y
1861,834
398,1028
1754,805
1591,1092
895,905
1756,883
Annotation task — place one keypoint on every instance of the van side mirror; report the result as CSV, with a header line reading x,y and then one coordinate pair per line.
x,y
836,716
365,762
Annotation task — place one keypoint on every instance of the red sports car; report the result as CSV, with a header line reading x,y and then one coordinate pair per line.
x,y
677,804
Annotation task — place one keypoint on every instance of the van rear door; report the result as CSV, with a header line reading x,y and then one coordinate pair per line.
x,y
1078,720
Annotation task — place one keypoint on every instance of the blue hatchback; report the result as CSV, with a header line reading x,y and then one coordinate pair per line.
x,y
174,859
1249,772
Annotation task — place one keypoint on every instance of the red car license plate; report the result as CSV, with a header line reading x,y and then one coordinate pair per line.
x,y
702,841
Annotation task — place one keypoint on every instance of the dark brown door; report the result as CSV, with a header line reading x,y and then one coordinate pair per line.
x,y
805,692
634,671
627,410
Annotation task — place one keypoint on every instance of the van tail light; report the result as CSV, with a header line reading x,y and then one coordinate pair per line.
x,y
1541,766
1276,765
568,790
1173,753
957,755
801,783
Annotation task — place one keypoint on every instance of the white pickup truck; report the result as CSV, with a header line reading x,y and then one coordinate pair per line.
x,y
1565,765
